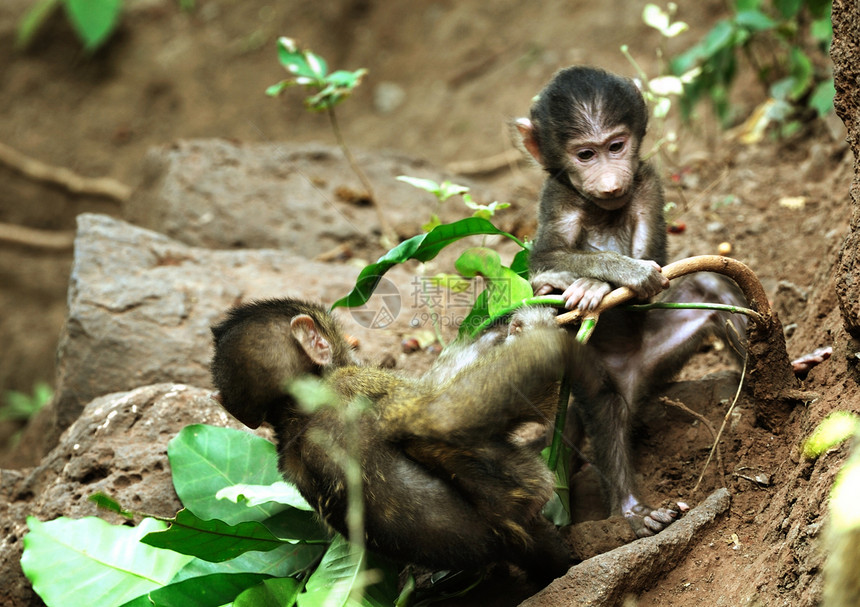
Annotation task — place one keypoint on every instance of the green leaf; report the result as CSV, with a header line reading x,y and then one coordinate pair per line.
x,y
34,19
288,560
344,79
281,492
423,247
292,525
822,31
206,591
108,503
819,8
788,9
479,313
293,59
277,89
822,97
747,5
508,289
504,285
520,263
341,580
755,21
557,509
718,38
90,562
428,185
212,540
800,66
433,223
271,593
845,516
93,20
337,576
205,459
316,64
443,191
479,261
657,18
835,428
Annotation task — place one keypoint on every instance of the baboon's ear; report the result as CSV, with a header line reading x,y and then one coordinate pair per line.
x,y
307,333
529,138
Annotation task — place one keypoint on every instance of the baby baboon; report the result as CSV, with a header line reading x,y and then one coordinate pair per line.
x,y
444,484
601,226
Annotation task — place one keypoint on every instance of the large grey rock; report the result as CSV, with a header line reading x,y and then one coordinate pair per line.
x,y
302,198
118,446
141,304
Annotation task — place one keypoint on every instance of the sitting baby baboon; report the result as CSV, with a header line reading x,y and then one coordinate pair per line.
x,y
444,484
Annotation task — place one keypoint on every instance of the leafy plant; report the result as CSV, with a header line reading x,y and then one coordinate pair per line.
x,y
22,406
310,70
445,190
658,92
791,31
93,20
844,514
245,536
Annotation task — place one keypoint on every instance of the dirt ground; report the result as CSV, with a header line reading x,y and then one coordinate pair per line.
x,y
460,71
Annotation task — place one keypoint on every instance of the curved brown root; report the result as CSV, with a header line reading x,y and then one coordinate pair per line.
x,y
773,386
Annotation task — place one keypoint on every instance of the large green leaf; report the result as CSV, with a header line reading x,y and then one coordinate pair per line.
x,y
479,261
212,540
91,562
207,591
339,580
254,495
297,525
271,593
297,522
288,560
505,287
507,290
205,459
422,247
93,20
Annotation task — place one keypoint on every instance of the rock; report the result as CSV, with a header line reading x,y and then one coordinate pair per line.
x,y
117,446
140,307
300,198
605,579
141,304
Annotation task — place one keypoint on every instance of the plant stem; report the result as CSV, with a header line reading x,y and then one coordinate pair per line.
x,y
388,233
679,305
560,420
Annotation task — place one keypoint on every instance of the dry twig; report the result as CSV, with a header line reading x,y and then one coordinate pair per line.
x,y
42,239
63,177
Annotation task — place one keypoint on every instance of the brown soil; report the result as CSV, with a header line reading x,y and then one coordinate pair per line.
x,y
465,67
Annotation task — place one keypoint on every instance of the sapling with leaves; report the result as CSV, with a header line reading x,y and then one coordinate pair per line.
x,y
841,541
785,43
445,190
311,71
